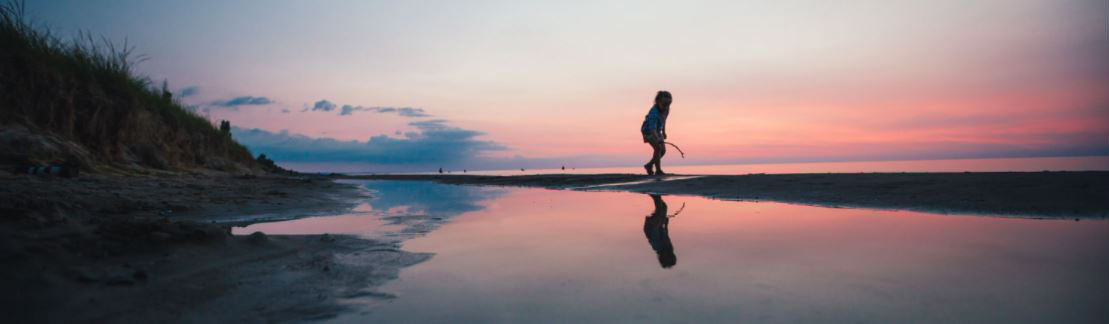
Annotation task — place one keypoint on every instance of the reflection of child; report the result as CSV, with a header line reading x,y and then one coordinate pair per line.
x,y
656,228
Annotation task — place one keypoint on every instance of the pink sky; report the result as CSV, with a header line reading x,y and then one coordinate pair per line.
x,y
752,81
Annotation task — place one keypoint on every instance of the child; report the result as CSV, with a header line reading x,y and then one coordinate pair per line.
x,y
654,131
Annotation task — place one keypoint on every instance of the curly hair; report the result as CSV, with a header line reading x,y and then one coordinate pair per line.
x,y
663,94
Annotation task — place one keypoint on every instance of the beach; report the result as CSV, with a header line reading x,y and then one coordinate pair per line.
x,y
411,162
159,248
1023,194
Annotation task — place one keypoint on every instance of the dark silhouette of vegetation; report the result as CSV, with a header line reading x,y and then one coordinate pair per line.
x,y
85,92
269,165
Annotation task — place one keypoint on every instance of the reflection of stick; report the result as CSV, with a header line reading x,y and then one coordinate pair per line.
x,y
679,149
677,212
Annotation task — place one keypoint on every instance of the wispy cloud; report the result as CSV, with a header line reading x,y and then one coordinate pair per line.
x,y
242,101
347,110
402,111
188,92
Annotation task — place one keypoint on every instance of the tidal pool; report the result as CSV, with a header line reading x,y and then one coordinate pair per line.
x,y
534,255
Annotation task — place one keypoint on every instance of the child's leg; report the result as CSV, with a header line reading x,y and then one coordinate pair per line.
x,y
656,155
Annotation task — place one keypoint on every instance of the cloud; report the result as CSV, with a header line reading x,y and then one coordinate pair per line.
x,y
402,111
412,112
347,110
242,101
429,124
323,105
188,92
435,142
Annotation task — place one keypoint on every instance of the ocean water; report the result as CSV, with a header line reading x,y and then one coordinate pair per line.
x,y
515,255
1088,163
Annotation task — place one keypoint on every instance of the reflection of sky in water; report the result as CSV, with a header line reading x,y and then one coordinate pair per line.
x,y
564,256
397,210
419,207
531,255
428,198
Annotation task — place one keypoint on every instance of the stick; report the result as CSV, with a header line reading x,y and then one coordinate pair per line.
x,y
677,212
679,149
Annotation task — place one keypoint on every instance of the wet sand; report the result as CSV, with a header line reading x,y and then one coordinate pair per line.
x,y
158,249
1023,194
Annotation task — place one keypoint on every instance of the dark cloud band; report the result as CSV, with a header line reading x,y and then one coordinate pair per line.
x,y
434,142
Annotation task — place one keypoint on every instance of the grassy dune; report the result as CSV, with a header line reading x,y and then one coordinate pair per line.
x,y
80,100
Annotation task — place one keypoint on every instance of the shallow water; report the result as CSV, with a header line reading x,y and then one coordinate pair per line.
x,y
533,255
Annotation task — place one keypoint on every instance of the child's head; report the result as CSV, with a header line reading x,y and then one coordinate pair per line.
x,y
663,99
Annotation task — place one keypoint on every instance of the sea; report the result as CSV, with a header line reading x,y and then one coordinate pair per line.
x,y
1029,164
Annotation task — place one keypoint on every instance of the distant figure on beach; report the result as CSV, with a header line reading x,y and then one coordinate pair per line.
x,y
440,170
654,131
657,229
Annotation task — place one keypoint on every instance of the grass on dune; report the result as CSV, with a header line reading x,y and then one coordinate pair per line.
x,y
84,90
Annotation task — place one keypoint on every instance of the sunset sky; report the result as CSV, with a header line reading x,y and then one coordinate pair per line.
x,y
410,85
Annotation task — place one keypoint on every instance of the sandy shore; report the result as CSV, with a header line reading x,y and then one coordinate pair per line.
x,y
157,249
203,198
1025,194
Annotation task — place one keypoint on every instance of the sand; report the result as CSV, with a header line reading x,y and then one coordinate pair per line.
x,y
159,249
1018,194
